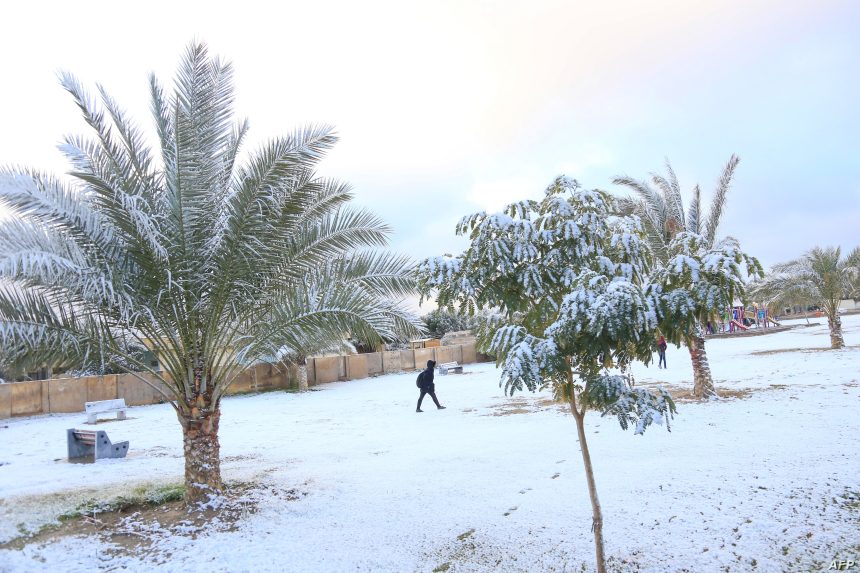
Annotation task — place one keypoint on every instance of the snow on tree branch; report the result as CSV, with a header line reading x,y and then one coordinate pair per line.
x,y
613,395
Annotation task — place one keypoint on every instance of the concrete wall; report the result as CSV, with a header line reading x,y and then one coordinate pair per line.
x,y
422,355
407,359
101,388
374,363
270,376
458,354
67,394
312,371
356,366
445,354
244,382
70,394
5,401
292,371
136,392
391,361
327,368
470,355
322,369
25,398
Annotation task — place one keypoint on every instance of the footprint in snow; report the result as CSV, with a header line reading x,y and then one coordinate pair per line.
x,y
508,512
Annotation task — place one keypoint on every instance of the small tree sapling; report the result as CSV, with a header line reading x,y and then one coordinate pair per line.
x,y
570,280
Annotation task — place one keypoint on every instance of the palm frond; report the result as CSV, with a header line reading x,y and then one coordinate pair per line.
x,y
671,197
715,214
36,330
821,276
653,200
383,274
651,209
39,197
852,269
278,181
312,244
201,146
694,210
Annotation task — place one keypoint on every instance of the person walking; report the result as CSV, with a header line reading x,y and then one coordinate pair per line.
x,y
661,350
425,383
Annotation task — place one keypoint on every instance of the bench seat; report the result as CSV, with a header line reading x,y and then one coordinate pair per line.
x,y
82,443
105,407
447,367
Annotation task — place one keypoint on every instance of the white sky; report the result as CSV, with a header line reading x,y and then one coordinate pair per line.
x,y
445,108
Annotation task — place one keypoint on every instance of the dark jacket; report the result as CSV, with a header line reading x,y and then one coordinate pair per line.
x,y
427,378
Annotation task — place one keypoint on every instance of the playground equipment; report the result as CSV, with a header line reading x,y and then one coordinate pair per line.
x,y
762,316
738,318
736,323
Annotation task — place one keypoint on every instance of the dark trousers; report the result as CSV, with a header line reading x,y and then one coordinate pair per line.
x,y
662,359
432,395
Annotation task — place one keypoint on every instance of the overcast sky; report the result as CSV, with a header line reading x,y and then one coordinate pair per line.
x,y
446,108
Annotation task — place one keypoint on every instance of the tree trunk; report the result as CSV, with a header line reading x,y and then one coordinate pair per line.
x,y
202,452
596,512
835,325
303,376
703,384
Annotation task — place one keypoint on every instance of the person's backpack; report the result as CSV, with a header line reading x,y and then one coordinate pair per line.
x,y
420,380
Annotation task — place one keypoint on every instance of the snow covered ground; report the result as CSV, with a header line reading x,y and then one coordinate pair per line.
x,y
766,482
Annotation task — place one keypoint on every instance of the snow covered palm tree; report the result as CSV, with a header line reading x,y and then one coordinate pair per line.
x,y
662,212
214,263
822,277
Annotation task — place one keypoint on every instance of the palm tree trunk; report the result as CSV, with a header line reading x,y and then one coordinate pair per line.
x,y
596,512
202,452
703,384
303,375
835,325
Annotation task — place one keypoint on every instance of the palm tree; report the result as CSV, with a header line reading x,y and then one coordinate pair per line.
x,y
663,216
821,277
215,263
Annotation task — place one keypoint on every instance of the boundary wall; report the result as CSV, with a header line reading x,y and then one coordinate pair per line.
x,y
63,395
323,369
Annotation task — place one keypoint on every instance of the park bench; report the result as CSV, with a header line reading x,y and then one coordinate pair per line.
x,y
105,407
447,367
93,443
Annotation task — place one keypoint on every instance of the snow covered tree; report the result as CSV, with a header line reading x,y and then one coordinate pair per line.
x,y
440,322
570,280
213,262
821,277
663,217
697,282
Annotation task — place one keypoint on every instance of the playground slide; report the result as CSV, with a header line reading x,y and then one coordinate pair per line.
x,y
739,325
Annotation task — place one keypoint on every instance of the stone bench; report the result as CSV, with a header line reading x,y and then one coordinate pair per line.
x,y
105,407
447,367
94,443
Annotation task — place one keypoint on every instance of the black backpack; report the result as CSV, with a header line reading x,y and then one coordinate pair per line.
x,y
420,380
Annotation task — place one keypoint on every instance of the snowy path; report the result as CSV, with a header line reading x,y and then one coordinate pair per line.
x,y
770,482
